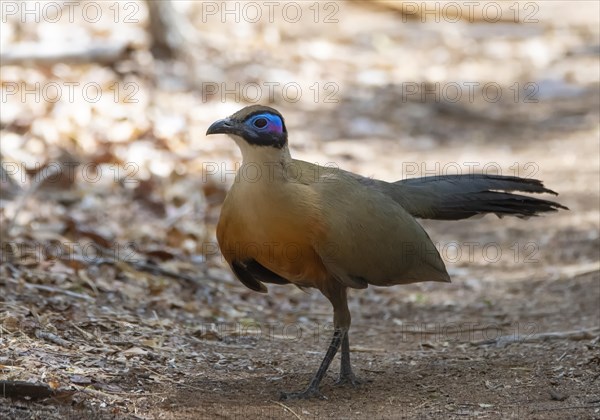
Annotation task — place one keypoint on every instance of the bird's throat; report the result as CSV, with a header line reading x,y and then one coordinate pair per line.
x,y
267,155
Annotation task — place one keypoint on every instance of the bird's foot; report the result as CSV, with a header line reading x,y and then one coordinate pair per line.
x,y
349,379
308,393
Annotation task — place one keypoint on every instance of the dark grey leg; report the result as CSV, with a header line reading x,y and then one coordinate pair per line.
x,y
346,374
313,387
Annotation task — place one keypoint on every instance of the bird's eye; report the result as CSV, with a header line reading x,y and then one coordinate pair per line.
x,y
260,123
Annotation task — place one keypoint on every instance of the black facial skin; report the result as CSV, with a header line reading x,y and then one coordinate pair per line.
x,y
262,131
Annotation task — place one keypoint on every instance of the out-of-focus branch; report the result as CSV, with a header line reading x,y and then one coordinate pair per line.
x,y
171,32
42,53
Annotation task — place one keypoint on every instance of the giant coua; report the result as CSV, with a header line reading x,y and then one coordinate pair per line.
x,y
293,222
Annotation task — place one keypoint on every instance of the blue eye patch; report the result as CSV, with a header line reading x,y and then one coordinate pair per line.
x,y
266,122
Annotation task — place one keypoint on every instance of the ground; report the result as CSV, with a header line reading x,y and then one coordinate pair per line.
x,y
114,299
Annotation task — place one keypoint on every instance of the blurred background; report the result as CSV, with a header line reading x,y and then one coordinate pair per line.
x,y
110,276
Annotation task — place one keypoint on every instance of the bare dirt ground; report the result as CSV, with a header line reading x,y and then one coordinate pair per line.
x,y
115,302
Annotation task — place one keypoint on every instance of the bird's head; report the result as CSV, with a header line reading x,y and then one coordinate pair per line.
x,y
254,126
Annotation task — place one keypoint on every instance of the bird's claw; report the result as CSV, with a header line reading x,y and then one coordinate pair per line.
x,y
349,379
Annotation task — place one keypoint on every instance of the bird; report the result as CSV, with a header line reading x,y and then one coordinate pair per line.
x,y
289,222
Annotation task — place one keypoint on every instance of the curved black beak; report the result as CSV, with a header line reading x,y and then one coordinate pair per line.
x,y
223,126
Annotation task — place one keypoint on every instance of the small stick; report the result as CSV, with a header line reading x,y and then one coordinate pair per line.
x,y
536,338
288,409
52,337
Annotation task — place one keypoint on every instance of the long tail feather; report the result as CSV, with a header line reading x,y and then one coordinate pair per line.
x,y
455,197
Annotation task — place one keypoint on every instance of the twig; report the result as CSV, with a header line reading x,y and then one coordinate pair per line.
x,y
135,265
25,390
101,395
59,290
52,337
572,407
505,340
359,349
156,270
449,332
288,409
43,53
166,378
84,333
